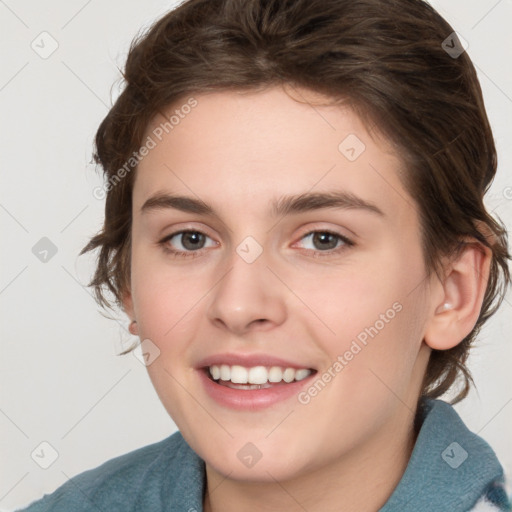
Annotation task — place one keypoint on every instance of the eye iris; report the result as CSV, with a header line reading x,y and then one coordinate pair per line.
x,y
321,237
198,237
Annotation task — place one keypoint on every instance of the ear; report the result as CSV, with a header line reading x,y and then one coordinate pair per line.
x,y
127,302
455,310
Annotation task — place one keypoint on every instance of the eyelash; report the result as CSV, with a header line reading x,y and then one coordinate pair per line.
x,y
316,254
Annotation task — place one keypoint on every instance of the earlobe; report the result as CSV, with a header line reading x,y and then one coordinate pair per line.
x,y
133,328
455,315
128,309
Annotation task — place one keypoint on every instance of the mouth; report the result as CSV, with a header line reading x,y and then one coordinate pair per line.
x,y
252,382
255,377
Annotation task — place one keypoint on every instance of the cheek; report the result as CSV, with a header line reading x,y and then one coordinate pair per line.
x,y
351,305
165,297
373,318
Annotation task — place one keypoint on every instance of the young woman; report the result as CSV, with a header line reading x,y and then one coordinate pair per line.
x,y
295,228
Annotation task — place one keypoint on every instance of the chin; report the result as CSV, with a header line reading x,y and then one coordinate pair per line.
x,y
257,463
261,472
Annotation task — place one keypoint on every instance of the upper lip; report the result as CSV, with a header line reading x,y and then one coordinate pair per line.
x,y
249,360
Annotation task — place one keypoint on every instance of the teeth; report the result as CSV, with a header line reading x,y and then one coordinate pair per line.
x,y
239,375
215,372
289,374
275,374
225,372
256,374
302,374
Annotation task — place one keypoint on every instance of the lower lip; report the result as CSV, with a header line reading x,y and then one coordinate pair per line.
x,y
251,399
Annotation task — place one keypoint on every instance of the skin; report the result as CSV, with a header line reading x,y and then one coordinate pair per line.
x,y
237,152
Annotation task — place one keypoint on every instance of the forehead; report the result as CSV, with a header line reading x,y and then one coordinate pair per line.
x,y
251,147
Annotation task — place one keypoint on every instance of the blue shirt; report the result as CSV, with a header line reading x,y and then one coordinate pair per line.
x,y
450,469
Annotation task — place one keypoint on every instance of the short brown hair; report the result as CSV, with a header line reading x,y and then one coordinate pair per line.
x,y
385,58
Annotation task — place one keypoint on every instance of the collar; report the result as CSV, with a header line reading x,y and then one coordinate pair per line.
x,y
450,467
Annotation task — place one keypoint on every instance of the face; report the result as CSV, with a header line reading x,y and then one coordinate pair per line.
x,y
242,277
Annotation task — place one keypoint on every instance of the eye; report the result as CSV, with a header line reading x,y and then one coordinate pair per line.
x,y
189,242
327,242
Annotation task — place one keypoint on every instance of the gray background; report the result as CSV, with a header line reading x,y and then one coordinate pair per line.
x,y
61,382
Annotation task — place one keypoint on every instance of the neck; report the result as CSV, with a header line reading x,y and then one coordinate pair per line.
x,y
378,465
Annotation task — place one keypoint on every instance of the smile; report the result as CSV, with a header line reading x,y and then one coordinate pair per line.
x,y
255,387
255,377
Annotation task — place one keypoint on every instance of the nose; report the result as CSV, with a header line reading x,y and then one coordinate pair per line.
x,y
248,297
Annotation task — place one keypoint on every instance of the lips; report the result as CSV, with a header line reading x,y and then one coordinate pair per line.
x,y
252,381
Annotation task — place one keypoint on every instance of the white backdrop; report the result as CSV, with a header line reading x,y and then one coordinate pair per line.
x,y
61,382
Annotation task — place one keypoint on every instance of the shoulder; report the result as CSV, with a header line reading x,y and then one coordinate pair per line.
x,y
137,477
450,468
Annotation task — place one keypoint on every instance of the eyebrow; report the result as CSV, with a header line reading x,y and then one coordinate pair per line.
x,y
285,205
